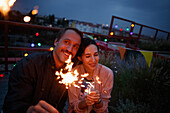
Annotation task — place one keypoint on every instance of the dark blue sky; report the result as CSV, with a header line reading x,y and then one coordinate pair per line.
x,y
154,13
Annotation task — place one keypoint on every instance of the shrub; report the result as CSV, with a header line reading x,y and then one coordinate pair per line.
x,y
138,88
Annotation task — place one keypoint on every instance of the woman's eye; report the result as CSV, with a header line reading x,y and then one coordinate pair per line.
x,y
96,54
87,56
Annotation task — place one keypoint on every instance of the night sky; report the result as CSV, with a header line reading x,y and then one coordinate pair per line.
x,y
154,13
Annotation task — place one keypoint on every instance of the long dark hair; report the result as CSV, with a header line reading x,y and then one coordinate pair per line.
x,y
86,42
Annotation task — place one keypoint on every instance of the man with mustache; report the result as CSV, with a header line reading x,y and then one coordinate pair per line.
x,y
33,86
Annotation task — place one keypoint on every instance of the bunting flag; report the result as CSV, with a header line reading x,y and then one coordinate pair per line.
x,y
122,52
148,56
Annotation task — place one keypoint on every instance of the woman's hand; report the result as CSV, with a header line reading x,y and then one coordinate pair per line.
x,y
89,101
93,97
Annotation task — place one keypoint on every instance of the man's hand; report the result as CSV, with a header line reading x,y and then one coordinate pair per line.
x,y
42,107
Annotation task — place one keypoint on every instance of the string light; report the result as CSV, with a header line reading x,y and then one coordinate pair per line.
x,y
14,65
127,29
1,75
32,44
111,33
132,25
27,18
116,26
36,34
34,12
39,44
121,29
51,48
26,54
131,33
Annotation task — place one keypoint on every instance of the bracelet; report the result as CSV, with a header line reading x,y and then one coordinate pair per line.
x,y
100,100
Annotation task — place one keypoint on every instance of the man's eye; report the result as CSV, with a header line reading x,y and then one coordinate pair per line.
x,y
76,47
66,42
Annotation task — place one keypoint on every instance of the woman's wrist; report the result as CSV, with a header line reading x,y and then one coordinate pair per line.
x,y
99,101
82,104
98,104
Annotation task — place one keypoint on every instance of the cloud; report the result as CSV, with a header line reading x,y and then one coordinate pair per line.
x,y
150,12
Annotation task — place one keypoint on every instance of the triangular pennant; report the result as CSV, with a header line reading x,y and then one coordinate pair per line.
x,y
122,52
148,56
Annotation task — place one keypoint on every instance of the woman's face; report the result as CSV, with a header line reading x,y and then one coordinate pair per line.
x,y
90,57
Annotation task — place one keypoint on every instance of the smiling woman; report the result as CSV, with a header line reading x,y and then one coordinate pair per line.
x,y
94,91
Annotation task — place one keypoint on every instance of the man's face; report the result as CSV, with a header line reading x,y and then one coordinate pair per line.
x,y
67,45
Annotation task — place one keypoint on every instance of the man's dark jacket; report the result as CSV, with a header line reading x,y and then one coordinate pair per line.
x,y
33,79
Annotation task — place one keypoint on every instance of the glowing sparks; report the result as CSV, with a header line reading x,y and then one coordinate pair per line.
x,y
90,87
69,77
97,80
5,6
85,75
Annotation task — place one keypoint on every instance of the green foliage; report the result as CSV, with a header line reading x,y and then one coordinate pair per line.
x,y
138,88
128,106
107,59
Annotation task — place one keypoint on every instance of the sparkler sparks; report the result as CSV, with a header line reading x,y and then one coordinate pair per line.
x,y
69,77
72,78
90,87
97,80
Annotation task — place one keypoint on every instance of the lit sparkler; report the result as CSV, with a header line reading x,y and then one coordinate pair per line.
x,y
90,87
100,84
69,77
72,78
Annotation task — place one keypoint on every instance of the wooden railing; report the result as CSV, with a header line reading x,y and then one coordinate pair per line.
x,y
131,30
6,47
